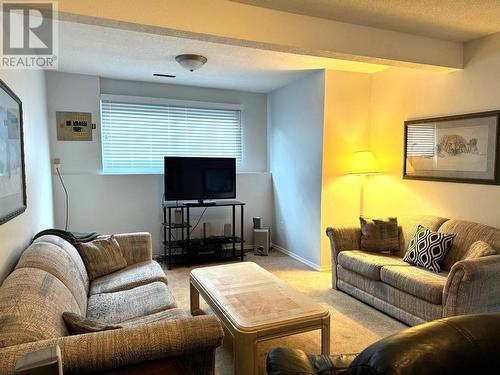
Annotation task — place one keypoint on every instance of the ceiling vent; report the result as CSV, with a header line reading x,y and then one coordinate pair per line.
x,y
163,75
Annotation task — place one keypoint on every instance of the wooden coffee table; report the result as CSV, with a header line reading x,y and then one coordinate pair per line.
x,y
254,305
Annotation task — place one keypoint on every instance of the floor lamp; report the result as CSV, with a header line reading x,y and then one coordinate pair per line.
x,y
363,163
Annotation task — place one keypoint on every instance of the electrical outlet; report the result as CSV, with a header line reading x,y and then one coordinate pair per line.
x,y
57,164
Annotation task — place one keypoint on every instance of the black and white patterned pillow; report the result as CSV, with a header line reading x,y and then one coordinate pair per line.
x,y
428,249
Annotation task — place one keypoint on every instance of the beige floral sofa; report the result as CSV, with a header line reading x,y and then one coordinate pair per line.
x,y
50,279
416,295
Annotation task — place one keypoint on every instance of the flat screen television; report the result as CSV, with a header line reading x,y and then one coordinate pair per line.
x,y
188,178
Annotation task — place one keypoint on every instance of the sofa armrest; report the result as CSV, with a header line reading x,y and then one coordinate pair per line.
x,y
107,350
473,286
342,239
347,238
136,247
46,360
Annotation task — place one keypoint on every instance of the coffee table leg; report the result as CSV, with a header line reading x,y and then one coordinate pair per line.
x,y
325,336
194,300
245,354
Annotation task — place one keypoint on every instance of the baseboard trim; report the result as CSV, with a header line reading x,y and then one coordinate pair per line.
x,y
326,268
308,263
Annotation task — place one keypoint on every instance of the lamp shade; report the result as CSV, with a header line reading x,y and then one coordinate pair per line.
x,y
364,162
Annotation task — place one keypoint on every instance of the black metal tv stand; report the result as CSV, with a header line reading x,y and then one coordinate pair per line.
x,y
200,203
196,250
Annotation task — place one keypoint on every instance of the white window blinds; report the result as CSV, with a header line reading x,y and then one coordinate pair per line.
x,y
421,140
137,133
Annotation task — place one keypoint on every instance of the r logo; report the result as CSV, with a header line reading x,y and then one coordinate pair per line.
x,y
28,28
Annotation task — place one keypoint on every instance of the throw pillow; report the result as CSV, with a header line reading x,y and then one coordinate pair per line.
x,y
77,324
479,249
379,234
102,256
428,249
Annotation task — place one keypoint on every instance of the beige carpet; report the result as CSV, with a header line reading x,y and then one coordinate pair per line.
x,y
354,325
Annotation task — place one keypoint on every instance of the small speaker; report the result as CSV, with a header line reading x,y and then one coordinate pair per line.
x,y
261,241
257,222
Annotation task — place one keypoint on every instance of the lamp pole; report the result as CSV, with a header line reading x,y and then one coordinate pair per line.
x,y
362,183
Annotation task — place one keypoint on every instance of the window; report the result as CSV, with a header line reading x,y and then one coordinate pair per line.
x,y
137,132
421,140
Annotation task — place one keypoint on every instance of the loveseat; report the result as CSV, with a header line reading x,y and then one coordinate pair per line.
x,y
413,294
50,279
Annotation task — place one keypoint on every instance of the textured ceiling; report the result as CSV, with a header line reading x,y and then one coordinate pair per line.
x,y
455,20
123,54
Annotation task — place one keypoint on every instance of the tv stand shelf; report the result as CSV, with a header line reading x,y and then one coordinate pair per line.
x,y
196,250
176,225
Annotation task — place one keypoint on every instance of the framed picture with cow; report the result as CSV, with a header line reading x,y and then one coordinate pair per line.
x,y
461,148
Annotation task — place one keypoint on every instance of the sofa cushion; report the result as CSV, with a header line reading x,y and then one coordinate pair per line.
x,y
466,234
129,304
102,257
479,249
32,302
62,264
379,235
401,305
416,281
129,277
366,263
78,324
136,247
428,248
171,314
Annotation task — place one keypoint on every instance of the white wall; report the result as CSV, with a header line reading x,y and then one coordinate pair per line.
x,y
124,203
401,94
17,233
346,130
295,121
315,125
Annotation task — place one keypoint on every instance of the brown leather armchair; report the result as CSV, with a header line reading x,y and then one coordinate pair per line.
x,y
466,344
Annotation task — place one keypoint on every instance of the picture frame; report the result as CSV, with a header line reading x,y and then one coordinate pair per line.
x,y
13,201
460,148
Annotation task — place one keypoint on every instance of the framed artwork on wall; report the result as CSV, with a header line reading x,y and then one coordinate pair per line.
x,y
12,173
461,148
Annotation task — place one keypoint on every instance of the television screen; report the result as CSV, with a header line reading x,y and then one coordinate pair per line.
x,y
189,178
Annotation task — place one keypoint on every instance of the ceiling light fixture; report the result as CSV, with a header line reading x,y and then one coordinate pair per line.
x,y
191,62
